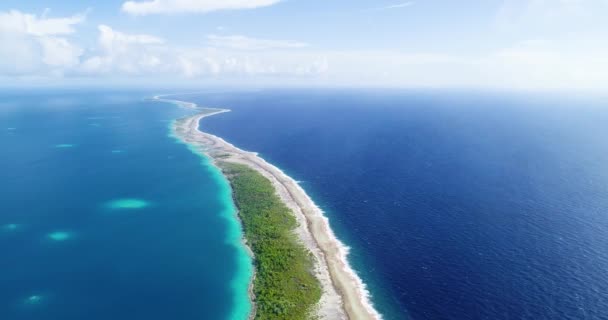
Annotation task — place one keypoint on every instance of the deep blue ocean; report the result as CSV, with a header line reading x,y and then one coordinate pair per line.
x,y
457,205
103,215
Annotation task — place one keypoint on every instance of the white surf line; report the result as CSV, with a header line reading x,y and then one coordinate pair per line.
x,y
179,103
343,250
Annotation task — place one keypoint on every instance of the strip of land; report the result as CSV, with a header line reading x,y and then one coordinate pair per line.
x,y
284,286
342,293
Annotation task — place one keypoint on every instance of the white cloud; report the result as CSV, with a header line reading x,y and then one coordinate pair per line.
x,y
111,40
58,52
210,62
246,43
190,6
123,53
18,22
33,44
120,53
19,54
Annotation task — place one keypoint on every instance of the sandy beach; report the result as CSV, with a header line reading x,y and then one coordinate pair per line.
x,y
344,294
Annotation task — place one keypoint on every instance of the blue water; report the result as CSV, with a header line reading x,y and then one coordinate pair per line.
x,y
457,205
104,215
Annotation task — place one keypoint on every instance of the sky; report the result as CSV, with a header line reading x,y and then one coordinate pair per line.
x,y
521,44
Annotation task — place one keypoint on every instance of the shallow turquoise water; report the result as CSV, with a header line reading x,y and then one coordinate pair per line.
x,y
116,220
128,204
60,235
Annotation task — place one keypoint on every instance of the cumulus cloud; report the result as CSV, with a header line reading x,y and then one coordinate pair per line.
x,y
222,63
18,22
109,38
247,43
58,52
120,53
37,44
124,53
190,6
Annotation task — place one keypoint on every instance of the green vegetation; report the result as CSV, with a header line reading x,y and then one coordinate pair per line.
x,y
222,156
284,287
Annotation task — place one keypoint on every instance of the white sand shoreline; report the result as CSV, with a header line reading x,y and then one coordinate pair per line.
x,y
344,293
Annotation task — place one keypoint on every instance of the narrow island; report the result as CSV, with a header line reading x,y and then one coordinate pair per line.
x,y
301,271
